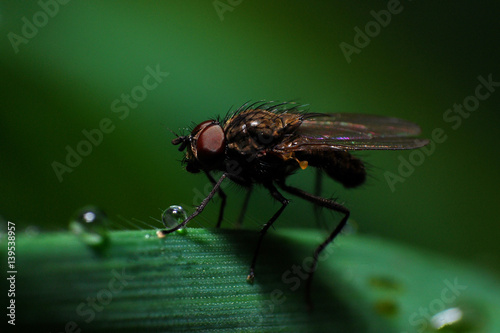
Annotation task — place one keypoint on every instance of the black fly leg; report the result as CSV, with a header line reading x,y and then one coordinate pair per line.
x,y
318,189
199,209
222,195
239,222
323,203
284,202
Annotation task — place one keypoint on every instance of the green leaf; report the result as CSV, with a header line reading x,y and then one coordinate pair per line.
x,y
197,281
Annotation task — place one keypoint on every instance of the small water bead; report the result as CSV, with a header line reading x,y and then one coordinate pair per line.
x,y
3,228
446,318
461,318
31,231
90,224
173,216
351,228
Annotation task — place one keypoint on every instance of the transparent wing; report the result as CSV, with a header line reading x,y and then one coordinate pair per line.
x,y
349,131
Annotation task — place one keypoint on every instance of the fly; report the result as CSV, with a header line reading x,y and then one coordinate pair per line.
x,y
264,143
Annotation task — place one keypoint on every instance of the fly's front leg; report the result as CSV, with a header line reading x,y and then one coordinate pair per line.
x,y
199,209
222,195
284,202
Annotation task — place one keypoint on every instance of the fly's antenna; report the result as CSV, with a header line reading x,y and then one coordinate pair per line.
x,y
182,141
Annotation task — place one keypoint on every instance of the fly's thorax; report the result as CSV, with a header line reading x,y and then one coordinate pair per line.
x,y
252,131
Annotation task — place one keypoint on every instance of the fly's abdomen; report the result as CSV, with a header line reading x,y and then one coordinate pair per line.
x,y
338,165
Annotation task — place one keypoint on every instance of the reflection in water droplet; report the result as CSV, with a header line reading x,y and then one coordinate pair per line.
x,y
90,224
172,216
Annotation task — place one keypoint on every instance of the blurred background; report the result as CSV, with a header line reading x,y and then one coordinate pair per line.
x,y
77,69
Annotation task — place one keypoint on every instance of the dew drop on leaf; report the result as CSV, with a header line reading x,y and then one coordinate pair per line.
x,y
461,318
172,216
90,224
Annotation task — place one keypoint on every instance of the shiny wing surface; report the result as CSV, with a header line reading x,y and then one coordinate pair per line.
x,y
349,131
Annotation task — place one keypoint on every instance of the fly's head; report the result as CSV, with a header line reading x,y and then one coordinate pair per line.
x,y
205,146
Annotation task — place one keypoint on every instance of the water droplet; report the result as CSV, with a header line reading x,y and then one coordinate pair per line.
x,y
461,318
3,229
350,228
90,224
447,317
31,231
172,216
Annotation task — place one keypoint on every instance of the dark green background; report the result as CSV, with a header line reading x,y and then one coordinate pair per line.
x,y
64,80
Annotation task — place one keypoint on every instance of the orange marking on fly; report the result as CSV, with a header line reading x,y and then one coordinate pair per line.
x,y
287,156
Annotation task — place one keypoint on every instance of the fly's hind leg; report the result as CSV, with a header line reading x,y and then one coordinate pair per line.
x,y
318,189
330,204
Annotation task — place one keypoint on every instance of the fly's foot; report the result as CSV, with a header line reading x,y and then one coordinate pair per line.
x,y
161,233
251,276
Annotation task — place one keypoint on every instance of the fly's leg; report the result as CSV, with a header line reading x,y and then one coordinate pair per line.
x,y
330,204
239,222
318,189
199,209
222,195
284,202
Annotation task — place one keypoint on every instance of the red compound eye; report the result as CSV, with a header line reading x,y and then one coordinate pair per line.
x,y
211,145
201,126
